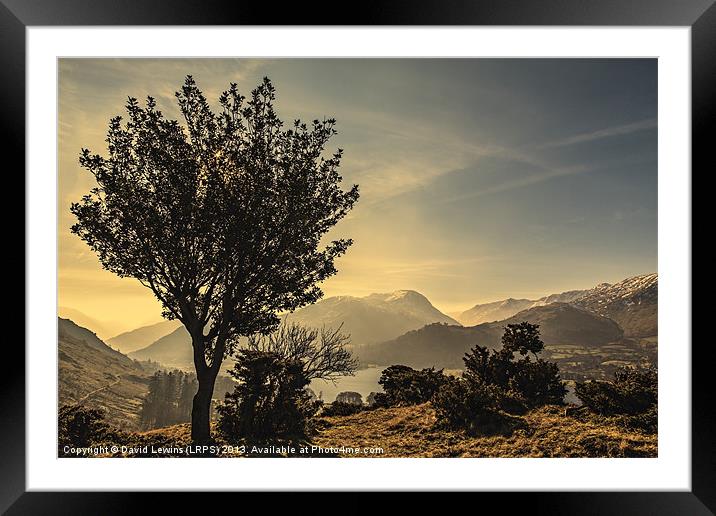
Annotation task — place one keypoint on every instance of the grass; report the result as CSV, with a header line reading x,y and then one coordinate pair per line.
x,y
413,432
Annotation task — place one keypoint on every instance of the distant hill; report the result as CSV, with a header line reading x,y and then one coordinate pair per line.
x,y
172,350
632,303
444,345
92,373
142,337
372,318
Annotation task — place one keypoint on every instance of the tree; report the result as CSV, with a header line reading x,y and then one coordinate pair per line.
x,y
522,338
349,397
188,388
322,351
221,216
403,385
150,404
269,400
533,382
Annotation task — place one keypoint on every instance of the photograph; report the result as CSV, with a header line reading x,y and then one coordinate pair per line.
x,y
357,257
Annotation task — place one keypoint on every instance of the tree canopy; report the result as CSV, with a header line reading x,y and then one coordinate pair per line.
x,y
222,215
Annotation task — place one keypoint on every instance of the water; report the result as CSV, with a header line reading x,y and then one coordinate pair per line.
x,y
364,382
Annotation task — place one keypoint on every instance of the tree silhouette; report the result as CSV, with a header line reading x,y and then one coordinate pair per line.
x,y
221,216
322,352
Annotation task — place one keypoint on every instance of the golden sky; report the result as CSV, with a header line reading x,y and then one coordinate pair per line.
x,y
480,179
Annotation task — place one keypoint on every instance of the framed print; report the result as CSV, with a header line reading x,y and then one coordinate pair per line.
x,y
434,249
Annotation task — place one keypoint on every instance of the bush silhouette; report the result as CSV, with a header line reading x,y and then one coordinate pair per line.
x,y
341,408
79,426
495,384
533,382
350,397
269,401
632,396
403,385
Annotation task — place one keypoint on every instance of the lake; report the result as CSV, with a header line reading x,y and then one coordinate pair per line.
x,y
364,382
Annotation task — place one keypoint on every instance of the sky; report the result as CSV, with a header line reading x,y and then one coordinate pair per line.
x,y
480,179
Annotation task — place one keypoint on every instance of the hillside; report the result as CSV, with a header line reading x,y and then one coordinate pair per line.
x,y
561,325
632,303
142,337
91,372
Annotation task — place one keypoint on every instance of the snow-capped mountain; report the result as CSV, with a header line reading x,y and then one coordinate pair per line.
x,y
632,303
495,311
500,310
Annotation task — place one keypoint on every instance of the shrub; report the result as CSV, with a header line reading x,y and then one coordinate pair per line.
x,y
370,399
531,382
79,426
403,385
269,401
474,407
537,383
633,391
341,408
495,384
350,398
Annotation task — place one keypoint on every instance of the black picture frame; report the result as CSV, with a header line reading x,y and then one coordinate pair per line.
x,y
700,15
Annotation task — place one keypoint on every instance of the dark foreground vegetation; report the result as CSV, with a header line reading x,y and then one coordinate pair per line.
x,y
507,403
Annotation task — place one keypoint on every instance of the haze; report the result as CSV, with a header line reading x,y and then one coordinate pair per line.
x,y
480,179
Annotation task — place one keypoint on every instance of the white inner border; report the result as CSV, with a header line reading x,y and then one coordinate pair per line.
x,y
671,470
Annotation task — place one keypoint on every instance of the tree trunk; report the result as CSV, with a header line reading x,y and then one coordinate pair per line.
x,y
201,403
201,407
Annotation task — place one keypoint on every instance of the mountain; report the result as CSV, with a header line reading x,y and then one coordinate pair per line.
x,y
172,350
372,318
500,310
91,372
443,345
369,319
632,303
142,337
495,311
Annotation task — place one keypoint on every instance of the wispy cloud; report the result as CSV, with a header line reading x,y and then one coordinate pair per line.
x,y
609,132
528,180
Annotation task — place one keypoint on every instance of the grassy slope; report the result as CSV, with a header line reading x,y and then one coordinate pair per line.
x,y
101,380
411,432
